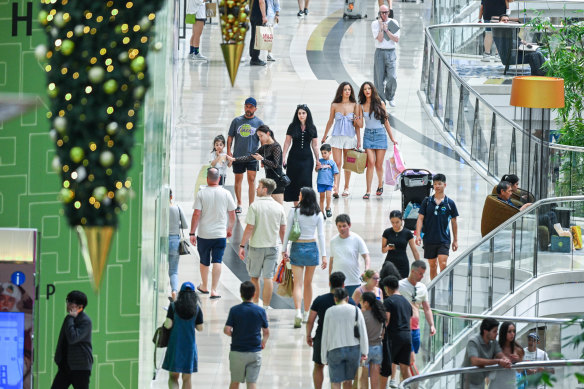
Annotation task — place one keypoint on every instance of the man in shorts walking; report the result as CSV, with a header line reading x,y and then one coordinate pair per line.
x,y
397,335
318,308
213,205
416,293
242,136
436,213
247,324
266,222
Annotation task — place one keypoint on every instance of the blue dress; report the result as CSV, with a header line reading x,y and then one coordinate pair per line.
x,y
181,354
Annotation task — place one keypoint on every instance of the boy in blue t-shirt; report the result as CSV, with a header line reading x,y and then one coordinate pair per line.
x,y
328,175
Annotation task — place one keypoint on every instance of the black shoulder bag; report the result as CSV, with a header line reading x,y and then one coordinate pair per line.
x,y
356,326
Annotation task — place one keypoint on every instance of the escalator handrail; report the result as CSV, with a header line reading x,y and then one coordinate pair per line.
x,y
517,319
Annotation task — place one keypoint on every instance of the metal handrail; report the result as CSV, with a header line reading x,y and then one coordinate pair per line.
x,y
501,227
517,319
483,101
469,370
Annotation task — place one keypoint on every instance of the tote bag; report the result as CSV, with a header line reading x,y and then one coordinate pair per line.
x,y
264,38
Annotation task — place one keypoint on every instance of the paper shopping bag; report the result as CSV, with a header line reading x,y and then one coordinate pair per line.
x,y
399,162
264,37
391,172
355,161
211,9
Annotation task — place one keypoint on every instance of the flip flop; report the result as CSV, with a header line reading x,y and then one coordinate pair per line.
x,y
238,210
215,297
366,196
336,195
379,191
201,290
345,193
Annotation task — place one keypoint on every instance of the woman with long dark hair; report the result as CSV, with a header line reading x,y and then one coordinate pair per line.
x,y
373,116
343,114
304,251
270,155
395,241
299,164
374,315
183,317
506,378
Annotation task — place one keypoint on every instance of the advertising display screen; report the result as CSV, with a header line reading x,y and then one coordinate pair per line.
x,y
12,346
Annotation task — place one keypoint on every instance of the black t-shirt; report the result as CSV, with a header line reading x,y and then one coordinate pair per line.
x,y
400,240
400,313
256,13
492,8
320,305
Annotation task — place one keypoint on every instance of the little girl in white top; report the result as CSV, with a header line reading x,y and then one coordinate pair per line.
x,y
218,158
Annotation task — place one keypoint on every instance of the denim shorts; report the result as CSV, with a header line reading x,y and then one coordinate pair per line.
x,y
343,363
375,355
304,254
375,138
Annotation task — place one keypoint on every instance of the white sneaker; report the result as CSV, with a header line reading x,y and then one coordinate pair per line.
x,y
305,317
392,103
496,58
197,57
392,384
486,57
297,321
270,58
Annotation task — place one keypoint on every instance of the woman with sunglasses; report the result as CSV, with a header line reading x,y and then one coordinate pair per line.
x,y
373,116
343,114
395,240
303,137
371,279
506,379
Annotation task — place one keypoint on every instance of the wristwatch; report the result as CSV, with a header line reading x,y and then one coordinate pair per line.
x,y
191,234
242,246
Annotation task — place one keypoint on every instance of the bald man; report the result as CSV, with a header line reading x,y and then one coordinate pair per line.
x,y
385,66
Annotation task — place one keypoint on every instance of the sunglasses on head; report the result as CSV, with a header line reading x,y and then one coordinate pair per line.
x,y
303,106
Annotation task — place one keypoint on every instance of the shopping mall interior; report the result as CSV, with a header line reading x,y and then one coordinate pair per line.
x,y
452,114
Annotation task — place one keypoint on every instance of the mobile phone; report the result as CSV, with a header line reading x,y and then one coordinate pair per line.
x,y
391,244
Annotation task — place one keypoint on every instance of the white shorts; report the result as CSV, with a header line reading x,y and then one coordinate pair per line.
x,y
201,13
342,142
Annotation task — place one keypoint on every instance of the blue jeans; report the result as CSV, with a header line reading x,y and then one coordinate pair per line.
x,y
173,257
343,363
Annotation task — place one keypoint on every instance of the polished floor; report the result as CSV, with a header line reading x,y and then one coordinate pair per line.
x,y
314,54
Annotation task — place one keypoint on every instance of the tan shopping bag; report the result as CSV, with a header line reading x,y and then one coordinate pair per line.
x,y
211,9
355,161
264,37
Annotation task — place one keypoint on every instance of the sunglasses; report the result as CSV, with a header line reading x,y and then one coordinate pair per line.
x,y
414,295
303,106
384,12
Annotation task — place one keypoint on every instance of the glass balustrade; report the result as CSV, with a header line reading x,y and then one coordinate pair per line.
x,y
467,96
564,375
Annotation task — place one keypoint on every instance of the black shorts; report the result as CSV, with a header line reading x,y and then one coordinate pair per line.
x,y
316,350
240,168
400,344
432,251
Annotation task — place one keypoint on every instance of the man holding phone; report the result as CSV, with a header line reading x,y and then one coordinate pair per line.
x,y
74,354
386,34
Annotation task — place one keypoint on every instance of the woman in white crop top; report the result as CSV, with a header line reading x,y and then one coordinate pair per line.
x,y
304,251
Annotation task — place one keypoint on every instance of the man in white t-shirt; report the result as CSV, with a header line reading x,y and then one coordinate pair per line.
x,y
385,59
345,250
415,291
213,205
532,353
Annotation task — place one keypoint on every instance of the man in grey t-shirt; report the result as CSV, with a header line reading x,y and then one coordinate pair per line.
x,y
483,350
242,136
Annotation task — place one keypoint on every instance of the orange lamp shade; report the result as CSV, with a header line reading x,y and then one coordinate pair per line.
x,y
537,92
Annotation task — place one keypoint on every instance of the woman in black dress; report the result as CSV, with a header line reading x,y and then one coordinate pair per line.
x,y
395,241
270,155
303,137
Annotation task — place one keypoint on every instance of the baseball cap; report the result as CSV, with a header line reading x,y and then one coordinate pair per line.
x,y
187,285
534,336
252,101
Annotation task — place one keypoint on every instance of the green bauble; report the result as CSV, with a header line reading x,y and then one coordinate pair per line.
x,y
99,193
112,128
139,92
77,154
66,195
122,195
60,124
110,86
56,164
40,52
124,160
138,64
43,17
123,56
58,20
53,92
67,47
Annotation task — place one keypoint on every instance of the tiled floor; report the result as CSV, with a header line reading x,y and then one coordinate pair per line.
x,y
302,75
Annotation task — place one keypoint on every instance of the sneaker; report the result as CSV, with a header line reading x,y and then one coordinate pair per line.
x,y
305,317
298,321
197,57
257,62
270,58
486,57
329,213
392,384
392,103
305,11
300,14
496,58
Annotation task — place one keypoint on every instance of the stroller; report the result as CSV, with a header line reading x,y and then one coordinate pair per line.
x,y
415,185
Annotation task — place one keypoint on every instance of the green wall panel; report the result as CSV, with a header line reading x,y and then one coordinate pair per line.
x,y
28,199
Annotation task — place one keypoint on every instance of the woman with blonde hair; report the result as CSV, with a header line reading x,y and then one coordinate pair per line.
x,y
371,279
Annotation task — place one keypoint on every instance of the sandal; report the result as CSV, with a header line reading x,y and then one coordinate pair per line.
x,y
379,191
345,193
238,209
366,196
335,195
